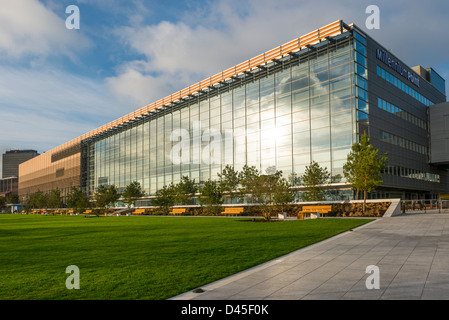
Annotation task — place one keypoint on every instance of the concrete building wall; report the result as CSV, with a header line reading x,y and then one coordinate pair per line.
x,y
439,134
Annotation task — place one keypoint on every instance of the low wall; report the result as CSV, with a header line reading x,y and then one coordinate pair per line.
x,y
354,208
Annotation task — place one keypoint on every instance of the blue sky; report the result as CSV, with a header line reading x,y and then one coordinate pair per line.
x,y
57,84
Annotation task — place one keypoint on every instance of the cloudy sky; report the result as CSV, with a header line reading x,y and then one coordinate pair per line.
x,y
57,83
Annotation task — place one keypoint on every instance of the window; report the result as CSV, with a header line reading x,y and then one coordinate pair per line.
x,y
300,84
361,59
362,94
387,106
359,38
402,86
360,47
362,83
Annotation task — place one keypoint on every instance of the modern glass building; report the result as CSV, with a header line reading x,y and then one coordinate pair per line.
x,y
307,100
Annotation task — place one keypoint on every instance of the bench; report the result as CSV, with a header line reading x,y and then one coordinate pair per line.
x,y
318,210
87,211
232,210
139,211
176,211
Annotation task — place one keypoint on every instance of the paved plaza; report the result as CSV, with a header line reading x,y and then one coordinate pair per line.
x,y
410,250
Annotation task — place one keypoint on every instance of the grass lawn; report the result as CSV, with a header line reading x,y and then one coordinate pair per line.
x,y
141,257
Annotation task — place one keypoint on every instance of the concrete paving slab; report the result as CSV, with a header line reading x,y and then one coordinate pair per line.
x,y
410,250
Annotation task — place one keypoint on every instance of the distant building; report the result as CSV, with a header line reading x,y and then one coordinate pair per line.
x,y
10,169
12,159
9,186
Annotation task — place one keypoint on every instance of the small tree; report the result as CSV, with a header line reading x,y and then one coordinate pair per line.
x,y
313,179
364,166
26,203
263,194
54,198
273,193
294,180
105,196
248,178
132,192
351,168
229,181
283,194
211,197
165,198
12,198
185,191
77,200
38,200
2,201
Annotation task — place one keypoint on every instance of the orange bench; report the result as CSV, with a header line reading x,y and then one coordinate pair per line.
x,y
320,210
139,211
176,211
232,210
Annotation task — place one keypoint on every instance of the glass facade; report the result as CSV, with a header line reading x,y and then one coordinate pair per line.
x,y
302,109
437,80
306,100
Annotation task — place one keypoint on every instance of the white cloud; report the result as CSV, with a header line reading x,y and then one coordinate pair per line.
x,y
42,108
28,28
212,39
205,42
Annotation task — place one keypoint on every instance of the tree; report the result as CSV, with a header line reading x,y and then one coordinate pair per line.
x,y
77,200
105,196
165,198
185,191
263,194
13,198
283,194
211,196
54,198
26,203
38,200
132,192
313,179
248,178
351,168
363,167
294,180
229,181
273,193
2,201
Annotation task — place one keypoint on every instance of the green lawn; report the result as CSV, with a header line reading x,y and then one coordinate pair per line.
x,y
141,257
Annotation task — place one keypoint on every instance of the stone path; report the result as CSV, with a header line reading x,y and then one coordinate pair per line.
x,y
410,250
